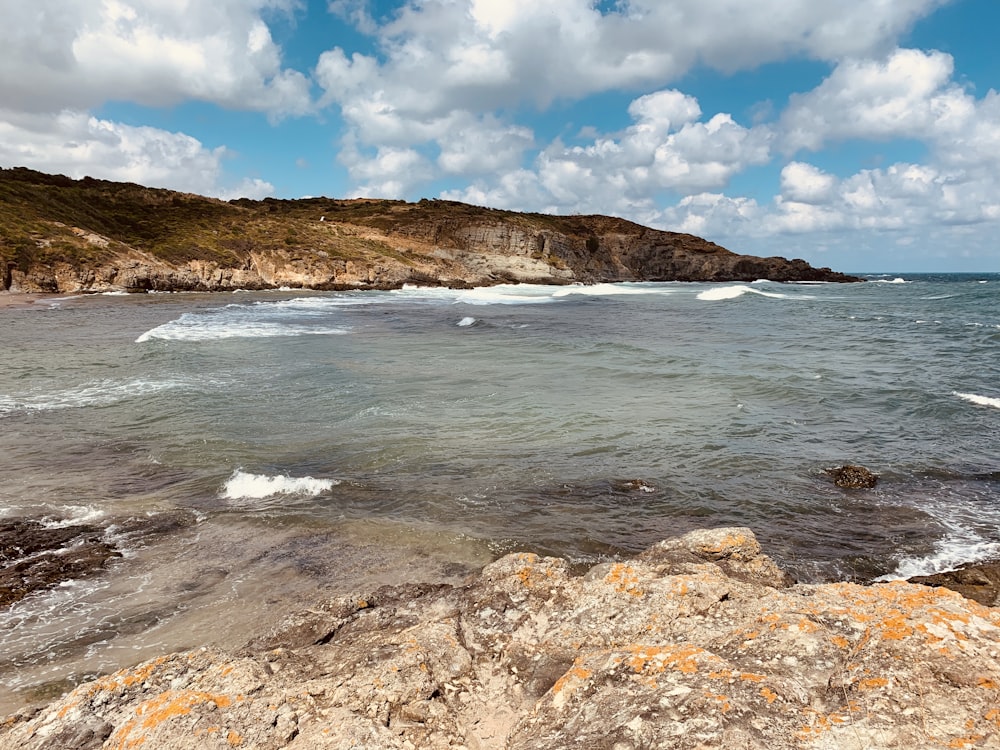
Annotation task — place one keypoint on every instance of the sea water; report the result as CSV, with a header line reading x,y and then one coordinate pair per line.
x,y
303,444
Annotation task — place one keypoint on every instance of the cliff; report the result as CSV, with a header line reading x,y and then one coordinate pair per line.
x,y
700,642
70,236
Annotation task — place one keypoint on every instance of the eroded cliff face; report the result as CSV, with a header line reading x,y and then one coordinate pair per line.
x,y
72,236
698,643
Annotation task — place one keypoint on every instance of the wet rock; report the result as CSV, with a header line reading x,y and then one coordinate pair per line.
x,y
34,556
979,582
667,650
853,477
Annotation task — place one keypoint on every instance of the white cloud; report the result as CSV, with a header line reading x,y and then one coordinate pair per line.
x,y
389,173
79,145
77,55
909,94
667,148
440,63
805,183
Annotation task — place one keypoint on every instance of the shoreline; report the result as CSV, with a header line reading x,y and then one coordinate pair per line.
x,y
699,641
24,300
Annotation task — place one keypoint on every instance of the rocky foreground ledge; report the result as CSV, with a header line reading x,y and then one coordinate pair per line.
x,y
699,643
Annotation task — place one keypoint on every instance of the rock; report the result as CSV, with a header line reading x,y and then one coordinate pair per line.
x,y
852,477
663,651
980,582
35,557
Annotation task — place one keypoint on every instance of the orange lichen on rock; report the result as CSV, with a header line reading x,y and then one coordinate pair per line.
x,y
625,579
164,707
659,658
873,682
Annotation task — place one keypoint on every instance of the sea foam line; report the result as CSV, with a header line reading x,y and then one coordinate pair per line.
x,y
978,400
733,292
99,393
246,486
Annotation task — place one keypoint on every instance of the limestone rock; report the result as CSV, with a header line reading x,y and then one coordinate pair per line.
x,y
980,582
141,239
667,650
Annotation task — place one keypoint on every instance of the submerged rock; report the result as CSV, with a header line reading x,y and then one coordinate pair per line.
x,y
853,477
668,650
35,557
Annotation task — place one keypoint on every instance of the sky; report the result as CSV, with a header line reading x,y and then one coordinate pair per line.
x,y
863,135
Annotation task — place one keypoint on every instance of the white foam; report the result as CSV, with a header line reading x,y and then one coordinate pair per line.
x,y
95,393
953,552
191,327
74,515
978,400
466,322
245,486
733,292
897,280
612,290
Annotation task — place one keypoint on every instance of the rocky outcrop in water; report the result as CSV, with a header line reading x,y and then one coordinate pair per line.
x,y
70,236
853,477
36,555
698,643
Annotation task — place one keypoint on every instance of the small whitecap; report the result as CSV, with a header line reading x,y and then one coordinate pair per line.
x,y
466,322
246,486
974,398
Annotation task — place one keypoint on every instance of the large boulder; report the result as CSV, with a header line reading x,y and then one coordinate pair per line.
x,y
668,650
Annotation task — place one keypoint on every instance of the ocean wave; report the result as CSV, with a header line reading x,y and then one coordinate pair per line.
x,y
958,549
96,393
733,292
245,486
611,290
466,322
973,398
896,280
191,327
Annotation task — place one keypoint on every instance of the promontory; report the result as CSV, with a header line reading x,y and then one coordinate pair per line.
x,y
63,235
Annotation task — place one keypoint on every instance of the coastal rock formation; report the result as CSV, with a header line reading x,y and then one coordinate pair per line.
x,y
980,582
36,555
698,643
72,236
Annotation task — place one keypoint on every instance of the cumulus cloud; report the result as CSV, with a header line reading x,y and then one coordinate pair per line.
x,y
78,144
908,94
440,64
669,147
77,55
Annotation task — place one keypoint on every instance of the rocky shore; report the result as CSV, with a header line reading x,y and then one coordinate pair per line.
x,y
700,642
66,236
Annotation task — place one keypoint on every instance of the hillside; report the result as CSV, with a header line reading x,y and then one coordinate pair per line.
x,y
63,235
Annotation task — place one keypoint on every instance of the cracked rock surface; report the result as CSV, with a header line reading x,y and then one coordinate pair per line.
x,y
700,642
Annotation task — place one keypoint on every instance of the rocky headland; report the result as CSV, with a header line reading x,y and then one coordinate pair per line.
x,y
60,235
700,642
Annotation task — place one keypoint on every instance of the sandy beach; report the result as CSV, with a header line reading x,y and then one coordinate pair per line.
x,y
10,300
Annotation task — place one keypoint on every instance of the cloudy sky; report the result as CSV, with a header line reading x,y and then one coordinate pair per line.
x,y
858,134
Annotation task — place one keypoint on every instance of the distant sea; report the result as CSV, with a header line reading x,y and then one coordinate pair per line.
x,y
291,445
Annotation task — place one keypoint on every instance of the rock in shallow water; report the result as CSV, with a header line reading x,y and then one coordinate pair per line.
x,y
664,651
35,557
853,477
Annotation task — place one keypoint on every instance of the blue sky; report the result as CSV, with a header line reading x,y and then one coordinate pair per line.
x,y
858,135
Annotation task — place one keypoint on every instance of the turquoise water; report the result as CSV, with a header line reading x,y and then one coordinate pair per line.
x,y
320,441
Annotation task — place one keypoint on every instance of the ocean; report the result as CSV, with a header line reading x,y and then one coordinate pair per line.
x,y
251,453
